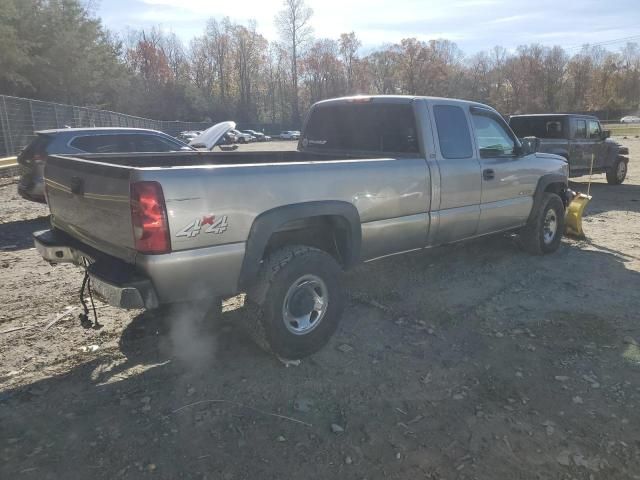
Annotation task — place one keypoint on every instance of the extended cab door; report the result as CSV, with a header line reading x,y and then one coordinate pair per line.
x,y
459,209
507,189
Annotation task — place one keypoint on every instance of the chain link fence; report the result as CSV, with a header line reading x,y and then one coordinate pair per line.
x,y
20,118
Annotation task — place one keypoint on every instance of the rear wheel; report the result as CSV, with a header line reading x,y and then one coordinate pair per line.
x,y
299,299
543,232
618,172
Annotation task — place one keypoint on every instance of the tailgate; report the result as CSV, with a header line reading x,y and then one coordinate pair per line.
x,y
90,201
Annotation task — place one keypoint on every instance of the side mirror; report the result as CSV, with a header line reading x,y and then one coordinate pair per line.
x,y
529,145
606,134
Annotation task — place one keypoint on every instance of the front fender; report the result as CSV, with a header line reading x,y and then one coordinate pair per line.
x,y
544,183
611,154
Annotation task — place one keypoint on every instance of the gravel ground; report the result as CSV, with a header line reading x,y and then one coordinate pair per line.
x,y
473,361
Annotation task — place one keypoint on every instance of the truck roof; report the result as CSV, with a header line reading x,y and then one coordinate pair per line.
x,y
401,99
577,115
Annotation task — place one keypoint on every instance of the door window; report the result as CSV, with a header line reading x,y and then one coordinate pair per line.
x,y
152,143
493,139
453,131
594,129
98,143
581,129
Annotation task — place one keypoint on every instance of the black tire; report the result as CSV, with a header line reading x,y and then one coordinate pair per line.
x,y
296,267
618,172
535,237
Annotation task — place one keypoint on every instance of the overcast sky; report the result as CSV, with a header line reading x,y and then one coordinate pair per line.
x,y
473,24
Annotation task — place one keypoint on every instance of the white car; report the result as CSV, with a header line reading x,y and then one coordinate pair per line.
x,y
243,137
630,119
290,135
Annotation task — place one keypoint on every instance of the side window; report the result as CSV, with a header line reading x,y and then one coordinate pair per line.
x,y
493,139
594,129
581,129
453,131
152,143
98,143
554,129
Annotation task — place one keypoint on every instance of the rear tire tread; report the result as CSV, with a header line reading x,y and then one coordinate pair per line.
x,y
262,313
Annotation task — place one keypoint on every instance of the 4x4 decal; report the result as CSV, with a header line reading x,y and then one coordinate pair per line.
x,y
213,225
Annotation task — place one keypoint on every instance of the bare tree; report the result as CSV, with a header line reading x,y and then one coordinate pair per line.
x,y
349,45
323,70
248,47
382,69
293,23
219,41
173,49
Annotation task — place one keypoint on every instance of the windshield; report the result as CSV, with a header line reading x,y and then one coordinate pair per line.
x,y
551,126
370,127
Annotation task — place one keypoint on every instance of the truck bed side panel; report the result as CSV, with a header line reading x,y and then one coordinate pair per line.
x,y
380,189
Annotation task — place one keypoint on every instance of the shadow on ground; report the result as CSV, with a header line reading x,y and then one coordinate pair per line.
x,y
172,400
17,235
609,197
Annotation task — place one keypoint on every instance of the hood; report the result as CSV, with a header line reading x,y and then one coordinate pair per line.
x,y
210,137
551,156
622,150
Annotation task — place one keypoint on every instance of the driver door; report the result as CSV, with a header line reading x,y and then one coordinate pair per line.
x,y
507,187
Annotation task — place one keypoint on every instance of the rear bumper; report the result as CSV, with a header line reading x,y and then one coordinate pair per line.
x,y
179,276
117,282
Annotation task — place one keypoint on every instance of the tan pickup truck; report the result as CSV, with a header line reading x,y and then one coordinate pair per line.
x,y
372,177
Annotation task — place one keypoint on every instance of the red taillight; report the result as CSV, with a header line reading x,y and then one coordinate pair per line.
x,y
149,218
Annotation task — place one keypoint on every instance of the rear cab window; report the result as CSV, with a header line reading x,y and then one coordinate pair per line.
x,y
540,126
362,127
453,132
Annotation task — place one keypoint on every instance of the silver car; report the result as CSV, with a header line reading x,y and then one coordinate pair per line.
x,y
85,140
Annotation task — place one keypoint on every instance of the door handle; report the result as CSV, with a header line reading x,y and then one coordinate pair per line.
x,y
488,174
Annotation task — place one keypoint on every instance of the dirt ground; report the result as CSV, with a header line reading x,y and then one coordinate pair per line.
x,y
473,361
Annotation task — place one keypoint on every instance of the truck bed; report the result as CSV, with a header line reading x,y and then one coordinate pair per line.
x,y
90,199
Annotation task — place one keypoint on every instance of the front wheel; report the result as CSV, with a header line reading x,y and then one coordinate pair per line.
x,y
543,232
300,299
618,172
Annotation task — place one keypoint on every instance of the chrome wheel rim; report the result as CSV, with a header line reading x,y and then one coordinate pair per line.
x,y
305,304
622,170
550,226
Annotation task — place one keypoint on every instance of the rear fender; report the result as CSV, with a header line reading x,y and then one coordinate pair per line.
x,y
269,222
